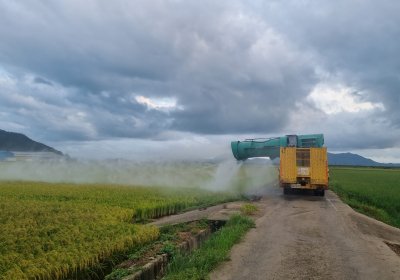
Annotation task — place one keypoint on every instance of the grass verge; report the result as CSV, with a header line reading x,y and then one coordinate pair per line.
x,y
249,209
214,251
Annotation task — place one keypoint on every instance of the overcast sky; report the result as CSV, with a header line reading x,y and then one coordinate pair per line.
x,y
101,79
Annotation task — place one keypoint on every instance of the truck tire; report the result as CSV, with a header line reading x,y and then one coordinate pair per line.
x,y
319,193
285,191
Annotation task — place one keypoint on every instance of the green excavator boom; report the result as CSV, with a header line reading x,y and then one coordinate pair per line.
x,y
270,147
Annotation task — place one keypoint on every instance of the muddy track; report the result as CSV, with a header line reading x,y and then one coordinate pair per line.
x,y
302,236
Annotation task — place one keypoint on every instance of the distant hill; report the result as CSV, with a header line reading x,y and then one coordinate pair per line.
x,y
335,159
354,159
18,142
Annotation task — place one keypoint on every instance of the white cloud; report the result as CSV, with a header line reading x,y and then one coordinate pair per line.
x,y
157,102
380,155
333,99
25,104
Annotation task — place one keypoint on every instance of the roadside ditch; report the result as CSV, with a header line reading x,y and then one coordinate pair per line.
x,y
176,248
151,261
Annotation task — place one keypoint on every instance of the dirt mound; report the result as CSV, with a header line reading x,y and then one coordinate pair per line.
x,y
376,228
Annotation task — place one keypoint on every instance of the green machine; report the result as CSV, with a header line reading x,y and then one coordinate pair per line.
x,y
270,147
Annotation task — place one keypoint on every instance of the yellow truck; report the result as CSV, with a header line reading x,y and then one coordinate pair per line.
x,y
304,168
303,159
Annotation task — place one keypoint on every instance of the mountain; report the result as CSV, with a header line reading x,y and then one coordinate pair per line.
x,y
354,159
334,159
18,142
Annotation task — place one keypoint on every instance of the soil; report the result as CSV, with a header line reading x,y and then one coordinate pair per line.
x,y
394,247
302,236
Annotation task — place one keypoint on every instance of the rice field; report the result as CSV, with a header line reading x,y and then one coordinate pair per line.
x,y
372,191
60,220
54,231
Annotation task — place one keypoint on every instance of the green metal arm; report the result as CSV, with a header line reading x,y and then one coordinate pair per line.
x,y
271,147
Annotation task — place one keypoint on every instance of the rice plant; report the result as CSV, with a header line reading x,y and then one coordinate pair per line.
x,y
372,191
51,231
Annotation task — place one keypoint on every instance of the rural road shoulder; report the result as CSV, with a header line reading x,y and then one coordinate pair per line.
x,y
218,212
308,237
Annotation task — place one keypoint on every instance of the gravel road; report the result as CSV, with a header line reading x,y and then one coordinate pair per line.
x,y
302,236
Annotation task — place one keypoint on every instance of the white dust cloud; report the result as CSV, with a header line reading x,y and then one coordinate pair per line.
x,y
228,175
223,175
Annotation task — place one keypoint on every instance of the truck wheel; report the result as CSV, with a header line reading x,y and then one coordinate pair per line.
x,y
322,193
316,193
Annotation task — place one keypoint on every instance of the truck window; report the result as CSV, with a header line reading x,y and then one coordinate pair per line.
x,y
303,157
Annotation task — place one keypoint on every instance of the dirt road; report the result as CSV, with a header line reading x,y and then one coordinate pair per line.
x,y
309,237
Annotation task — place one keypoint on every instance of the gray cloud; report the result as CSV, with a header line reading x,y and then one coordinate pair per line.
x,y
39,80
228,72
355,43
232,68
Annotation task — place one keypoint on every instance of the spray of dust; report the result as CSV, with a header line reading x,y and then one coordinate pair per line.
x,y
223,175
168,174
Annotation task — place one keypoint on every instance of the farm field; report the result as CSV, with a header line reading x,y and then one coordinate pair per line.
x,y
374,192
67,230
50,231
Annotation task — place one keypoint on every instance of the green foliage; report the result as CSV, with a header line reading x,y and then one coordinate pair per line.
x,y
241,221
197,265
182,227
119,274
249,209
138,253
189,273
134,256
372,191
167,229
167,237
202,223
170,249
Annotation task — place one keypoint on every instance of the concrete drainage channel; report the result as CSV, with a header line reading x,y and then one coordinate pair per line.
x,y
157,268
218,216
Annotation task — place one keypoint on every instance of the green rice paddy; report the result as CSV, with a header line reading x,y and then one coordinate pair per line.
x,y
374,192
